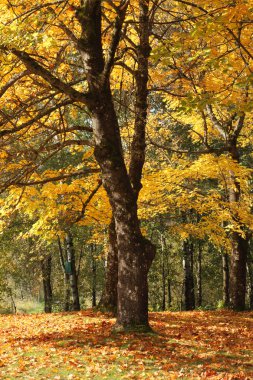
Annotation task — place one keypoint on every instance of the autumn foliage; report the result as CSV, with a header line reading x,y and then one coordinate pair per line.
x,y
194,345
137,115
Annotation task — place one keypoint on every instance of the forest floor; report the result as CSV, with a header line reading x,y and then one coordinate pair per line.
x,y
66,346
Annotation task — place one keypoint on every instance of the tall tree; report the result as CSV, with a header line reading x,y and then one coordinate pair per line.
x,y
138,145
135,253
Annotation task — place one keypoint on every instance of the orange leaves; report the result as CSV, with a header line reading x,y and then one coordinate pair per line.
x,y
189,345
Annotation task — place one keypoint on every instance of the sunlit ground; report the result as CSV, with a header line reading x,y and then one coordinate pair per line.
x,y
188,345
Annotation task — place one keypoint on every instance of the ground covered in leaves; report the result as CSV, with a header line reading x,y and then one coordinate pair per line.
x,y
188,345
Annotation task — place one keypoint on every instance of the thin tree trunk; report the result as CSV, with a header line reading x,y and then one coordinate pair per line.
x,y
46,267
163,276
66,305
108,301
250,276
13,304
73,275
239,250
189,297
169,293
225,272
238,272
199,275
239,246
94,276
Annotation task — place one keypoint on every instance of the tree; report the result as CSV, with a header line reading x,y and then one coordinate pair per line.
x,y
210,76
135,253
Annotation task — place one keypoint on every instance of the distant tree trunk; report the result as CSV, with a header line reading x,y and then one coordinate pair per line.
x,y
189,297
66,305
239,245
108,301
46,267
250,276
225,276
94,276
238,272
13,304
72,275
169,293
199,275
163,306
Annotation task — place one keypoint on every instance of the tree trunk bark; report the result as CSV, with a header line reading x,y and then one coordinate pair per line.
x,y
108,301
239,249
189,297
135,253
163,275
94,276
66,302
46,267
199,275
239,246
72,275
238,272
250,275
169,293
225,276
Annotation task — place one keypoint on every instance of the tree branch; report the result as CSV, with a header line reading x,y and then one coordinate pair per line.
x,y
58,178
34,67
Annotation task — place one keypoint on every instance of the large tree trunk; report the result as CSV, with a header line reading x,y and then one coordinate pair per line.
x,y
135,253
139,246
225,276
108,301
189,297
46,266
72,275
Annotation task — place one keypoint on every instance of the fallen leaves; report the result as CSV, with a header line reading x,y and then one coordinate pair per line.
x,y
189,345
